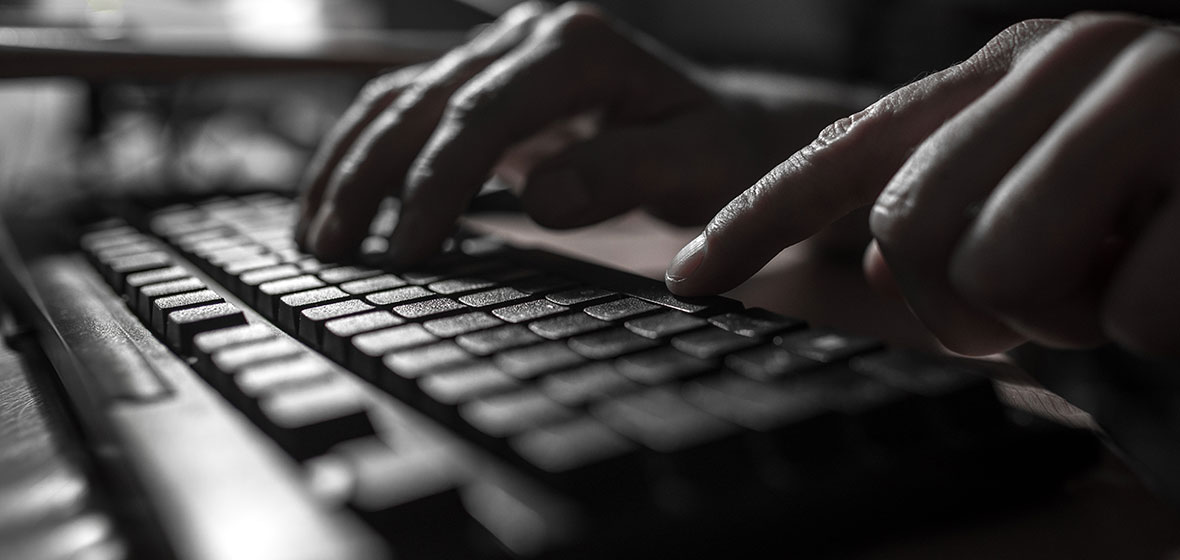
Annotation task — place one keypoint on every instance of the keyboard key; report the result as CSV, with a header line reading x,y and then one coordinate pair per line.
x,y
309,419
664,324
620,309
794,417
150,293
655,292
161,307
312,319
661,420
206,343
460,285
270,292
752,404
118,268
135,281
540,285
606,344
528,311
466,383
212,341
342,274
826,346
565,326
524,363
511,413
882,412
458,265
368,348
411,364
254,278
400,295
461,324
290,306
227,362
578,296
487,342
406,496
428,308
768,362
256,382
755,322
656,367
374,284
140,245
239,267
710,343
183,325
578,446
586,384
310,265
338,333
494,297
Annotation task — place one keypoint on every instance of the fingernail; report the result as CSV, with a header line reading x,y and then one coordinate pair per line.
x,y
563,194
688,260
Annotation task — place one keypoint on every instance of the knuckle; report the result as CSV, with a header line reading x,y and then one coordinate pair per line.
x,y
375,89
577,20
469,103
1007,46
1103,21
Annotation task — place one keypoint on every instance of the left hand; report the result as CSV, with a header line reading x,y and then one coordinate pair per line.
x,y
1028,193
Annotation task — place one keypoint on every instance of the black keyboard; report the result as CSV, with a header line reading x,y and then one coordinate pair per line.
x,y
660,425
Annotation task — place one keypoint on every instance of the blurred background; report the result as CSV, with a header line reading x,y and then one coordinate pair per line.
x,y
135,123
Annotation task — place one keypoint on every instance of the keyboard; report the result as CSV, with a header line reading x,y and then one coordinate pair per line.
x,y
498,402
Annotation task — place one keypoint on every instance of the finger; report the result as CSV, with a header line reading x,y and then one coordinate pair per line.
x,y
519,160
1142,306
877,272
574,62
922,213
843,169
374,98
375,165
1049,226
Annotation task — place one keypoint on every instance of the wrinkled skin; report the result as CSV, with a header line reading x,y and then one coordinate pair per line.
x,y
1024,194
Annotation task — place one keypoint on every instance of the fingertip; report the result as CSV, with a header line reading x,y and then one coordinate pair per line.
x,y
326,237
877,273
683,274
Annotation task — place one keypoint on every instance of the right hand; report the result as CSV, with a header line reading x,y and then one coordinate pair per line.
x,y
513,101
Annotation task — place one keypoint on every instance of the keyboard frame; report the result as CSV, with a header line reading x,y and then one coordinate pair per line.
x,y
145,438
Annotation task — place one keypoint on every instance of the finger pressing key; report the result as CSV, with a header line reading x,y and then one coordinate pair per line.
x,y
375,164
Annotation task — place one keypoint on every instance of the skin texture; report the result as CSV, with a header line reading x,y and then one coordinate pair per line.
x,y
1024,194
583,117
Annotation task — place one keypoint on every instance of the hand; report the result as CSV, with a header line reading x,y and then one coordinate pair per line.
x,y
584,118
1028,193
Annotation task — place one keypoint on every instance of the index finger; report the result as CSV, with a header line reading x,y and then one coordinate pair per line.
x,y
574,62
843,169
